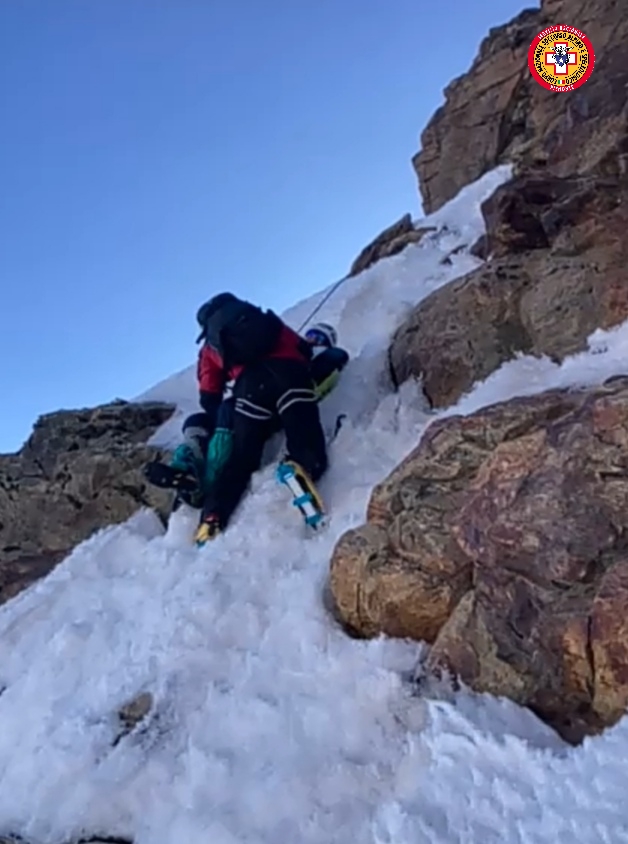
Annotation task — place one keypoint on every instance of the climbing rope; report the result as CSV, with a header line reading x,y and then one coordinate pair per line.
x,y
325,298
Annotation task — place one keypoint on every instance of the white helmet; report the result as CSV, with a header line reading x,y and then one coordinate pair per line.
x,y
322,334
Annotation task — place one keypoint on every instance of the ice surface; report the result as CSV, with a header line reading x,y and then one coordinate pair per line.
x,y
270,724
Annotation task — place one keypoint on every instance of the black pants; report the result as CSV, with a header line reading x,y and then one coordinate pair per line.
x,y
199,427
272,395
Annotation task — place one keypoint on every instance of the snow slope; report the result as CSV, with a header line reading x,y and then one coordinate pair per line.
x,y
271,725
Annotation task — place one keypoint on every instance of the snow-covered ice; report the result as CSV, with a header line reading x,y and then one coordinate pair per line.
x,y
270,724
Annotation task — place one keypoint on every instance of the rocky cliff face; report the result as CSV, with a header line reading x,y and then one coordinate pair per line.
x,y
555,233
558,273
485,116
78,472
497,112
501,538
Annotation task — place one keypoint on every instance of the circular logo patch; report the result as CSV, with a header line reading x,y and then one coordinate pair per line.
x,y
561,58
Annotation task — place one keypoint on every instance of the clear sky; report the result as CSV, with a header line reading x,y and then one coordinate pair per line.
x,y
155,152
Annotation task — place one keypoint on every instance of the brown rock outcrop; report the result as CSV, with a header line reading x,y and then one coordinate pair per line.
x,y
502,540
486,114
391,241
78,472
555,234
561,275
496,112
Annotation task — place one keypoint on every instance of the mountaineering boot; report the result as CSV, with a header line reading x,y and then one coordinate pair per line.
x,y
208,529
183,474
167,477
306,497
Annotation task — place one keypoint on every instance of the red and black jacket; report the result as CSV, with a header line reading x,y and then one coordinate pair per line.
x,y
213,376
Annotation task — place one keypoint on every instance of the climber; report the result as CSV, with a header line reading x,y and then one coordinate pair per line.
x,y
256,376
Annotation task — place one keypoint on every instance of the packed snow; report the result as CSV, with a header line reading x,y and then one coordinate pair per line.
x,y
270,724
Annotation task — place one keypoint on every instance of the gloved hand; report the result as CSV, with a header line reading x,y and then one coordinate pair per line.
x,y
218,453
325,387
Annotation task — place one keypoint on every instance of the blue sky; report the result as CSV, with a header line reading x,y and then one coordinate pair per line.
x,y
155,153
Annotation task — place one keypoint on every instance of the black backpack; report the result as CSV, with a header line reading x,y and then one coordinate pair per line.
x,y
242,333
